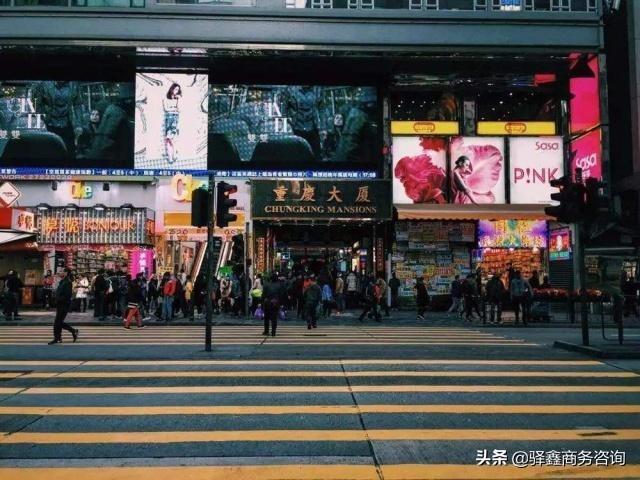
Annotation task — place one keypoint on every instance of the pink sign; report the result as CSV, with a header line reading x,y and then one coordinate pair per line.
x,y
141,261
586,153
584,105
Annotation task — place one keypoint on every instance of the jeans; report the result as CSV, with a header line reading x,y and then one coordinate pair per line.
x,y
271,311
340,302
98,311
167,308
524,304
455,306
495,306
59,324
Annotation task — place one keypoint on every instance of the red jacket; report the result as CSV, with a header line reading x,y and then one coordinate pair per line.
x,y
169,289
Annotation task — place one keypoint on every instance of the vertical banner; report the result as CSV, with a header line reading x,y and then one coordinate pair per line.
x,y
534,162
586,153
171,121
419,170
584,86
477,170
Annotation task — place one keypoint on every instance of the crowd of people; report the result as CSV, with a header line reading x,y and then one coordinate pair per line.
x,y
513,288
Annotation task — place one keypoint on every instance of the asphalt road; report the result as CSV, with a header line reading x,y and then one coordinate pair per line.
x,y
410,401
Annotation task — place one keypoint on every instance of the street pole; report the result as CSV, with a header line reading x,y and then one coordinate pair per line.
x,y
210,265
582,277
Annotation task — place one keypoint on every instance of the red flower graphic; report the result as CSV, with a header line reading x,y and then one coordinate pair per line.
x,y
422,180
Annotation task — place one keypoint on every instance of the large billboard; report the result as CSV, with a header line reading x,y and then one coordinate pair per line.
x,y
586,154
512,234
477,170
533,163
288,126
419,170
66,124
171,121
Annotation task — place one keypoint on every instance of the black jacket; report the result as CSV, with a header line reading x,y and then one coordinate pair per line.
x,y
64,292
100,285
422,296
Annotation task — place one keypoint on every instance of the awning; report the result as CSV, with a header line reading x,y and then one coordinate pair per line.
x,y
470,212
8,236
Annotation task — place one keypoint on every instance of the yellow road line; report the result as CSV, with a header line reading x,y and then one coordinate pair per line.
x,y
294,373
333,389
364,343
322,410
10,391
326,472
318,436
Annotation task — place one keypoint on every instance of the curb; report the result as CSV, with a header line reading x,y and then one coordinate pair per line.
x,y
630,352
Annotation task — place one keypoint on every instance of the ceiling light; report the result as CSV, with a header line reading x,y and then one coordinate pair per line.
x,y
99,207
43,207
71,206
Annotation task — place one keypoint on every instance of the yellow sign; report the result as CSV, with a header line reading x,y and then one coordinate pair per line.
x,y
516,128
182,186
80,191
425,127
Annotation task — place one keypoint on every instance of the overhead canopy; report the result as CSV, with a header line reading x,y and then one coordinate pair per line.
x,y
470,212
8,236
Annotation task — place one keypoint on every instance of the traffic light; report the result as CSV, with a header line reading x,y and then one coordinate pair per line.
x,y
200,200
237,249
571,198
596,203
224,203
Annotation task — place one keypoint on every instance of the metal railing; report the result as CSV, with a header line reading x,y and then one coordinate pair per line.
x,y
566,6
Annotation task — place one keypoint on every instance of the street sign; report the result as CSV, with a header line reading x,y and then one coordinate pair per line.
x,y
9,194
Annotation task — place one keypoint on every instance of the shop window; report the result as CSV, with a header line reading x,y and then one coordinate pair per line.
x,y
523,105
392,4
41,3
457,4
424,106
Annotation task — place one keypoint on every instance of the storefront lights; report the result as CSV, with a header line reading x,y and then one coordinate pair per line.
x,y
99,207
127,206
71,206
43,207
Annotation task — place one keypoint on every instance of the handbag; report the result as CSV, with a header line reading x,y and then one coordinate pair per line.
x,y
259,313
282,315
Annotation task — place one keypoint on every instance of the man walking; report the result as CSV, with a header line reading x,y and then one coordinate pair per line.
x,y
371,299
63,304
520,291
47,290
168,293
13,285
382,299
339,294
312,298
456,295
394,286
100,289
422,297
273,296
495,293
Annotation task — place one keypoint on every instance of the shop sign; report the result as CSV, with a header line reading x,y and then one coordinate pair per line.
x,y
586,153
81,191
62,226
182,187
560,244
584,103
424,127
534,162
516,128
261,253
323,199
141,260
23,221
512,234
9,194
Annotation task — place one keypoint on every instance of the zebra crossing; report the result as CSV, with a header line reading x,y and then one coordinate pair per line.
x,y
251,335
316,419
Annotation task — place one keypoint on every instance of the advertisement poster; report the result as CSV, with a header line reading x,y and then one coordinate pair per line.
x,y
586,153
560,244
419,170
171,121
293,125
66,124
584,87
534,162
477,170
512,234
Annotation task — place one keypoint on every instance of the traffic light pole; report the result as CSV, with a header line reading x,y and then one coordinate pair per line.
x,y
582,278
210,266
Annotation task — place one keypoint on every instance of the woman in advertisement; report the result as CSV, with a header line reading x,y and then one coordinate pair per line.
x,y
171,108
477,173
461,171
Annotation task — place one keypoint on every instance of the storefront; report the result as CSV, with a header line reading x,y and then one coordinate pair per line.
x,y
320,225
87,239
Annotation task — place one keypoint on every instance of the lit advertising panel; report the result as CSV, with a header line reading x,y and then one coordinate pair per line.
x,y
419,170
477,170
288,126
586,153
533,163
560,244
66,124
584,105
171,121
512,234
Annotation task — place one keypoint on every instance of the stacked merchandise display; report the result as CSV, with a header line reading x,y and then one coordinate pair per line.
x,y
496,260
434,250
90,261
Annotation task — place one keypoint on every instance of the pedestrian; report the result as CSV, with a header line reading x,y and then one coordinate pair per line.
x,y
273,296
152,293
134,299
534,280
226,301
495,293
382,301
47,290
168,293
178,298
371,300
312,299
100,287
520,291
422,297
82,292
394,286
339,294
188,297
13,286
63,296
144,304
352,289
327,300
298,291
456,296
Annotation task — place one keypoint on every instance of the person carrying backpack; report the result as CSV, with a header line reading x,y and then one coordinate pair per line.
x,y
371,299
312,299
